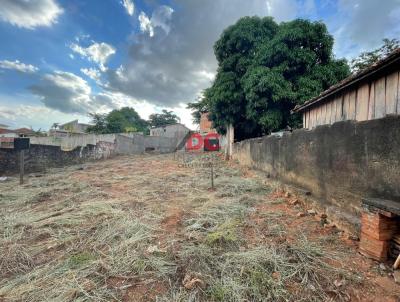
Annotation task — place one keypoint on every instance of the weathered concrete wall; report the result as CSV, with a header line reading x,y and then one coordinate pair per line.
x,y
72,142
160,144
41,157
129,144
339,163
56,152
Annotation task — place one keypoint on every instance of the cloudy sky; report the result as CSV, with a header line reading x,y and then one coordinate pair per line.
x,y
60,59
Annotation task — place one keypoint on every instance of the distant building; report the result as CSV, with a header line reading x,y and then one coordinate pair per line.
x,y
74,126
206,124
178,131
70,128
24,132
7,133
21,132
370,94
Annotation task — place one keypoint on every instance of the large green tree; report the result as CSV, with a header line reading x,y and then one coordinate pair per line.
x,y
162,119
264,70
118,121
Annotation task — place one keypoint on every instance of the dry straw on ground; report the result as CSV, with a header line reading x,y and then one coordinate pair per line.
x,y
146,228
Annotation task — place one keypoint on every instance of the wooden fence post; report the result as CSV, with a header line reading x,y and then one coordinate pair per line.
x,y
21,166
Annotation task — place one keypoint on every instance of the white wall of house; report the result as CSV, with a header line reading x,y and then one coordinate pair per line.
x,y
9,135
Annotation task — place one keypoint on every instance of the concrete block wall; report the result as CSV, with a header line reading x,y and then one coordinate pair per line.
x,y
160,144
339,163
126,145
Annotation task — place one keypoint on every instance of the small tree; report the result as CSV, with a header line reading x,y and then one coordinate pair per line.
x,y
99,123
366,59
118,121
162,119
55,126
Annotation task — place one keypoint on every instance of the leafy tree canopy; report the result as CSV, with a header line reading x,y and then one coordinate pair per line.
x,y
118,121
368,58
264,70
164,118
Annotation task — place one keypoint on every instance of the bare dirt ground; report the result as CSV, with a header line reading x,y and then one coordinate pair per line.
x,y
149,228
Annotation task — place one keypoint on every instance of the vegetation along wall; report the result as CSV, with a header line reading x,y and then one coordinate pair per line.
x,y
339,164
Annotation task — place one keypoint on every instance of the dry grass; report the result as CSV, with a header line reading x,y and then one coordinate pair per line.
x,y
106,232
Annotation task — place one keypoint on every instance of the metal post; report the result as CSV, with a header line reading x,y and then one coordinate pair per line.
x,y
21,167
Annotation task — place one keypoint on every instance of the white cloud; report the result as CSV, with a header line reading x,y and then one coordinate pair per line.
x,y
82,37
30,13
97,52
282,10
145,24
160,18
129,6
69,93
19,66
18,116
92,73
206,75
185,115
360,25
65,92
172,60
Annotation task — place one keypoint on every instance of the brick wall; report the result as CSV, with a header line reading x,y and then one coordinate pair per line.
x,y
205,123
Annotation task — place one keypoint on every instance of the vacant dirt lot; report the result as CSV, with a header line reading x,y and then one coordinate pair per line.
x,y
149,228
